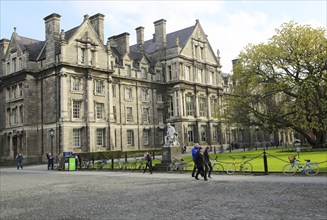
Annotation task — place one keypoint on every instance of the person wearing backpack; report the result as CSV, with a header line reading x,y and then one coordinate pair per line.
x,y
19,159
148,160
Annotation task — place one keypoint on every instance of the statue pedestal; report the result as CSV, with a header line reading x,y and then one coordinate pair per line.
x,y
169,154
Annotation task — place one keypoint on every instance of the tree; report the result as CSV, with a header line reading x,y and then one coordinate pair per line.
x,y
282,83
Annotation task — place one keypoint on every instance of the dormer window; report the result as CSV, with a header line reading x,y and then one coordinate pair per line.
x,y
128,70
14,65
143,73
83,51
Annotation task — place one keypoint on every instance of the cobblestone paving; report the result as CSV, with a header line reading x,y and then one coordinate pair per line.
x,y
36,193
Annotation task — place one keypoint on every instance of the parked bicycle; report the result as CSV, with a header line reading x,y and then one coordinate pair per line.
x,y
87,164
244,167
309,168
180,165
103,165
217,167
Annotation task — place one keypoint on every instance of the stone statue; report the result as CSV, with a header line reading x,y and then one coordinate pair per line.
x,y
170,137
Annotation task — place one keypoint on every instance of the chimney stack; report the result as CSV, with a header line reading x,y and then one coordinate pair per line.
x,y
4,44
121,42
97,21
160,33
140,37
52,36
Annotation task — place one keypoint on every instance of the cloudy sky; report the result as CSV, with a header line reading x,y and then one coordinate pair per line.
x,y
230,25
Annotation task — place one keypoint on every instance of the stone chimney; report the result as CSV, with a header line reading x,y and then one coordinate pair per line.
x,y
121,42
140,37
97,21
4,44
52,36
160,33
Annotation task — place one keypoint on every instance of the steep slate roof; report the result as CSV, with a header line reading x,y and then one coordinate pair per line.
x,y
183,35
70,33
34,47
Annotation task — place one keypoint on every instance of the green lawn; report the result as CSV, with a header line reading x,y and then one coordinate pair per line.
x,y
276,158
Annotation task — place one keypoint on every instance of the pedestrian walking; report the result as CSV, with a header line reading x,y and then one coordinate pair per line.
x,y
148,160
50,161
194,151
208,165
200,165
20,160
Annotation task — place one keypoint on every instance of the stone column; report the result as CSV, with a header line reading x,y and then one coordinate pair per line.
x,y
180,100
63,95
90,104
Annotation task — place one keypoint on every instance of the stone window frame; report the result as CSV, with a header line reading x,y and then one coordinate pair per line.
x,y
100,137
77,137
146,137
161,136
73,84
99,111
190,106
203,107
128,93
129,114
144,72
203,133
99,87
77,110
130,137
145,95
128,70
190,133
160,116
146,115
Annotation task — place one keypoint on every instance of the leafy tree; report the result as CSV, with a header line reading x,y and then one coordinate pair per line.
x,y
282,83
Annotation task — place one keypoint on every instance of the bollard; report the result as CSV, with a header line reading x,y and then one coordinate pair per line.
x,y
112,163
214,150
153,156
125,157
244,148
265,164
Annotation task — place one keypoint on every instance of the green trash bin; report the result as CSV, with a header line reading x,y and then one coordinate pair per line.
x,y
72,164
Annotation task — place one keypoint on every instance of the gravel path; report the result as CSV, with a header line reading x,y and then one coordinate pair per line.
x,y
36,193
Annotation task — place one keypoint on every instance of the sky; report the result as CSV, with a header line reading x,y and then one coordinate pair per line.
x,y
229,25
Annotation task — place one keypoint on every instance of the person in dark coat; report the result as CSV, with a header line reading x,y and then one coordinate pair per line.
x,y
208,166
50,161
200,165
148,160
19,159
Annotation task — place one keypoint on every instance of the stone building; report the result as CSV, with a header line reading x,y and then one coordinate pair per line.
x,y
77,92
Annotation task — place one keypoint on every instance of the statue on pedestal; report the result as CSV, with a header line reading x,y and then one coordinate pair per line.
x,y
170,137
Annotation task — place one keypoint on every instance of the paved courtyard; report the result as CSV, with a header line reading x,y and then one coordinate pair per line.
x,y
36,193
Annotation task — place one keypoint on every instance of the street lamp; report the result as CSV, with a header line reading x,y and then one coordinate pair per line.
x,y
51,135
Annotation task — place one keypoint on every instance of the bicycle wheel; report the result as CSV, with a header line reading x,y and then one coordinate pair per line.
x,y
90,166
311,169
246,168
218,168
230,169
142,167
290,169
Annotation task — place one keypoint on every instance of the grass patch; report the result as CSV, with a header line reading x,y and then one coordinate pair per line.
x,y
276,158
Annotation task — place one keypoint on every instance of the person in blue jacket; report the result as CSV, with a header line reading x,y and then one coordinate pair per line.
x,y
194,151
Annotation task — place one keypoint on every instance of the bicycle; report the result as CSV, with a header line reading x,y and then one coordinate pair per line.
x,y
56,163
179,165
310,168
102,165
217,167
87,164
245,167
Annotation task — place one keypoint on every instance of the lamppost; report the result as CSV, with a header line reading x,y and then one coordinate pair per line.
x,y
51,135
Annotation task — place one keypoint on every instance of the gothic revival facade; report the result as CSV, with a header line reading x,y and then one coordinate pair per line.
x,y
77,92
